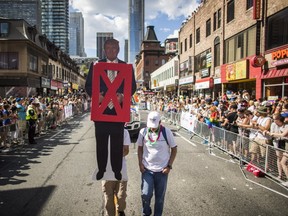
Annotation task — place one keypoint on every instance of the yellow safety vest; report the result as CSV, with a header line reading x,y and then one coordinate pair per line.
x,y
28,116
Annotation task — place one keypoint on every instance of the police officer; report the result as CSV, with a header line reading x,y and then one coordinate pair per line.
x,y
31,118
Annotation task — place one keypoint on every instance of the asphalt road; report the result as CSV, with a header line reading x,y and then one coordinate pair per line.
x,y
54,177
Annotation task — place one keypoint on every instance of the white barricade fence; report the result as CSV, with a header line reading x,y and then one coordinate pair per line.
x,y
266,158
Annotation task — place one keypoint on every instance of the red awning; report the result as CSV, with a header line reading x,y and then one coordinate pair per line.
x,y
272,73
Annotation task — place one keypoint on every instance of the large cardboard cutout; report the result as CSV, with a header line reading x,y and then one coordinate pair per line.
x,y
124,74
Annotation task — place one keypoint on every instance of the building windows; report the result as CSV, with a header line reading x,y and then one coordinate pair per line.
x,y
4,29
9,60
217,52
208,27
277,31
181,47
198,35
146,62
185,45
230,11
217,20
249,4
241,45
190,41
33,63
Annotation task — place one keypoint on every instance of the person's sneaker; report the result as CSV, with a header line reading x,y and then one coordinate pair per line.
x,y
285,184
121,213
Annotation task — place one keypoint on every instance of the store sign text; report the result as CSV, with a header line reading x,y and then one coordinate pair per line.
x,y
280,54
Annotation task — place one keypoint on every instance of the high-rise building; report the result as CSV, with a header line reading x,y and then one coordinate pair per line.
x,y
101,38
55,22
29,10
126,51
76,34
136,27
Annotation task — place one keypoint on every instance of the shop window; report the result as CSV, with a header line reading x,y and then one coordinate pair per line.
x,y
9,60
198,35
249,4
230,11
277,32
208,27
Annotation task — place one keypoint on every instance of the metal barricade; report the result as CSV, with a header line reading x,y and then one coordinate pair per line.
x,y
270,160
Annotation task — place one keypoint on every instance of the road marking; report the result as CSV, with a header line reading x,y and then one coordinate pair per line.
x,y
193,144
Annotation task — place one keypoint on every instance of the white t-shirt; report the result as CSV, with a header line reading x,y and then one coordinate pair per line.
x,y
156,155
109,174
276,129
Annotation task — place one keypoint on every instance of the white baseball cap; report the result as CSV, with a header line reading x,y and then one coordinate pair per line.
x,y
153,119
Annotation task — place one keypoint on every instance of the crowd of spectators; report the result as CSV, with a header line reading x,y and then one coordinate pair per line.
x,y
262,122
50,115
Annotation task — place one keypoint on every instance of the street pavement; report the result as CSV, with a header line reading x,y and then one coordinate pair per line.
x,y
54,177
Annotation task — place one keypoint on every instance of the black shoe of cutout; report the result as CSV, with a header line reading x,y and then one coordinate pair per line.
x,y
99,175
118,176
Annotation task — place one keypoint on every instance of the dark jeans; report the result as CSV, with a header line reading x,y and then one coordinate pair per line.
x,y
116,131
31,130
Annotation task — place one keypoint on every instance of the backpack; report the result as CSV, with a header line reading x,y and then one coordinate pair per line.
x,y
163,131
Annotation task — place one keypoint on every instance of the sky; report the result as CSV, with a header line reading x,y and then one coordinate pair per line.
x,y
112,16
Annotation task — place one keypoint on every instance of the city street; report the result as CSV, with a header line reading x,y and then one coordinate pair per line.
x,y
54,178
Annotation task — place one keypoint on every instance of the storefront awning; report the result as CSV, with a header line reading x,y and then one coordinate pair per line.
x,y
272,73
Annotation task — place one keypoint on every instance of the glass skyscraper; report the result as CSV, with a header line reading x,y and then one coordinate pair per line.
x,y
136,28
55,22
29,10
76,34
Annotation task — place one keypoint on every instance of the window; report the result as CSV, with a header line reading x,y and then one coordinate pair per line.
x,y
9,60
33,66
185,45
249,4
208,27
277,32
216,52
4,29
146,62
241,45
190,41
198,35
156,62
181,47
217,20
230,11
214,21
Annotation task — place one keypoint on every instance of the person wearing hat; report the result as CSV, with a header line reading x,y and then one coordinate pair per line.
x,y
262,124
156,154
31,118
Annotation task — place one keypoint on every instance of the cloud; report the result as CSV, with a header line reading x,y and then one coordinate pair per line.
x,y
112,16
174,35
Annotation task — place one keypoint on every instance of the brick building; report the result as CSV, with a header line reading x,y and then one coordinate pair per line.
x,y
152,56
223,43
